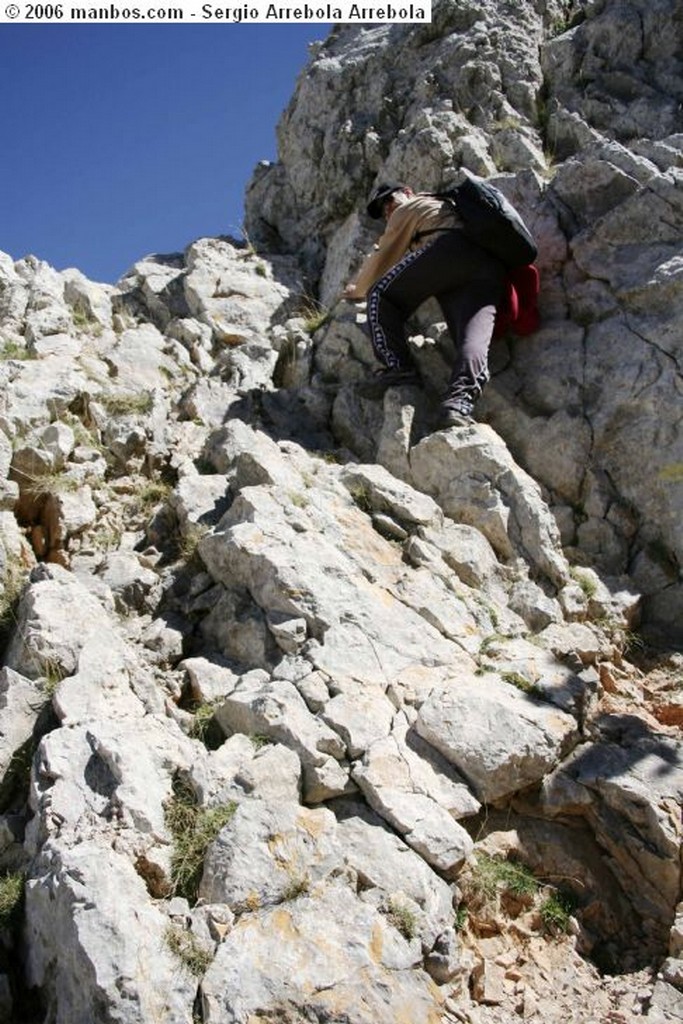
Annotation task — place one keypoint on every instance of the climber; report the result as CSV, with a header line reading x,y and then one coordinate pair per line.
x,y
423,253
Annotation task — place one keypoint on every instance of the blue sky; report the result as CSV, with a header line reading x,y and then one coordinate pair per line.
x,y
123,140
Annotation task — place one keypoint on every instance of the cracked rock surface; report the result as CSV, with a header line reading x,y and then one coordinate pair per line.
x,y
310,713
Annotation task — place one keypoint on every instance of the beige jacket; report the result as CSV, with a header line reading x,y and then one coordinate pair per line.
x,y
422,212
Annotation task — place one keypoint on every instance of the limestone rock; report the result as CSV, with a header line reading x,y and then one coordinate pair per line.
x,y
466,551
67,515
56,615
629,776
13,294
91,303
488,983
90,901
359,718
132,584
275,959
488,490
383,492
21,700
288,558
223,291
385,865
346,624
615,199
291,849
277,710
539,672
272,774
208,679
100,685
97,772
419,796
199,500
155,285
499,738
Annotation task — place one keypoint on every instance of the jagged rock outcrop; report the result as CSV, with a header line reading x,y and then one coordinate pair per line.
x,y
307,711
575,109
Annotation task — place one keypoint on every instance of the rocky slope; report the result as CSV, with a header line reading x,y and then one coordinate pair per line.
x,y
576,109
310,713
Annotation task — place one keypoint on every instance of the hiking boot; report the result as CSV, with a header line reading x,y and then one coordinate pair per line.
x,y
387,378
450,416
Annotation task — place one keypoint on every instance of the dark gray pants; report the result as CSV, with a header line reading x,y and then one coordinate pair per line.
x,y
468,285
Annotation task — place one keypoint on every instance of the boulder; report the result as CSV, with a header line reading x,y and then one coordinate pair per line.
x,y
627,782
90,901
501,739
291,848
364,969
420,796
475,480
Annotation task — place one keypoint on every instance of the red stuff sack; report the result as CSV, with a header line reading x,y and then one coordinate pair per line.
x,y
518,309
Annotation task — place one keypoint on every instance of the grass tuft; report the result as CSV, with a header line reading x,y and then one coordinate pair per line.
x,y
14,350
585,582
313,314
188,541
402,917
556,911
490,884
520,682
139,403
151,494
205,727
195,957
12,589
298,885
259,740
193,829
49,483
11,898
298,500
490,874
362,497
461,917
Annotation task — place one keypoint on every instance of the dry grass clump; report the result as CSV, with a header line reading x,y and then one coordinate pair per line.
x,y
193,829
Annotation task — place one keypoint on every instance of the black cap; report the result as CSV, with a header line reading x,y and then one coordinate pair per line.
x,y
379,196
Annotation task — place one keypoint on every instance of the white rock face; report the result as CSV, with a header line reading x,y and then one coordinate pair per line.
x,y
57,617
499,738
19,698
99,963
291,849
599,379
278,659
342,959
493,494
